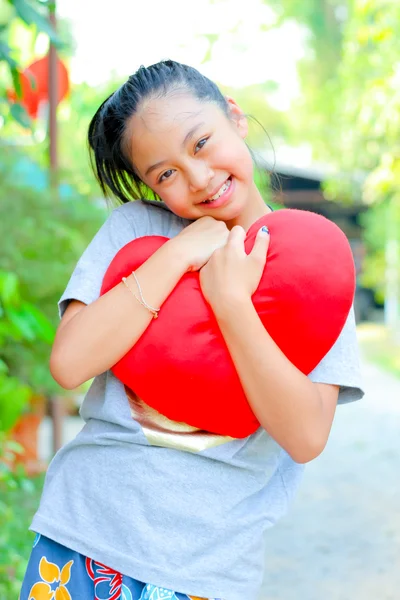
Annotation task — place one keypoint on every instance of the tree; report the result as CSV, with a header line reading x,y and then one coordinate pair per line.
x,y
323,22
24,19
350,112
367,140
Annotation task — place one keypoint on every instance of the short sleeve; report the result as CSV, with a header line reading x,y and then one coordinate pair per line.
x,y
341,366
86,279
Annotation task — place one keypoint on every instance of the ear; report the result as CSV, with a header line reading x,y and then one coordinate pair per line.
x,y
238,117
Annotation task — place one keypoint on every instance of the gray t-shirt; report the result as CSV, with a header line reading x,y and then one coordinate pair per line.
x,y
160,501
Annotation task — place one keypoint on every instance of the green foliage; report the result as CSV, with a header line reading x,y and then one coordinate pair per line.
x,y
42,239
34,16
19,497
265,122
20,323
368,115
380,346
31,13
355,105
350,109
375,224
381,224
324,21
14,398
368,108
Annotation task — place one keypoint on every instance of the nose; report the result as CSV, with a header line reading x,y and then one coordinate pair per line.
x,y
200,175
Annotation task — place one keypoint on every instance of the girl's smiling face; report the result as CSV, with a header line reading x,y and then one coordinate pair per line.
x,y
195,158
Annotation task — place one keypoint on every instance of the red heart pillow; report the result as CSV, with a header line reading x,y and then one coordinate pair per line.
x,y
181,366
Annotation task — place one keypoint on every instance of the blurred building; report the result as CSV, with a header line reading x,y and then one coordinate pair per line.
x,y
302,188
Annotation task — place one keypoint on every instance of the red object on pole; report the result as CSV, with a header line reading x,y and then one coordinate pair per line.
x,y
56,86
35,83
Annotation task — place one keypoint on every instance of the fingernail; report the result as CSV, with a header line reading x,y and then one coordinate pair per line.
x,y
264,229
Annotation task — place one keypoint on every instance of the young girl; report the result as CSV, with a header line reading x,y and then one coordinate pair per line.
x,y
137,506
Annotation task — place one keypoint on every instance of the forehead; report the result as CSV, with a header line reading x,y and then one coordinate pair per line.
x,y
167,120
173,112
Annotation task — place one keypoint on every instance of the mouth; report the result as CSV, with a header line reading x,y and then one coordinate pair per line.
x,y
222,190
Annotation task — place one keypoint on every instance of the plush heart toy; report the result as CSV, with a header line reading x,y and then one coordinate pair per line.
x,y
181,366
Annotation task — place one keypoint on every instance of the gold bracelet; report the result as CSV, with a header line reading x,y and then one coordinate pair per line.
x,y
141,300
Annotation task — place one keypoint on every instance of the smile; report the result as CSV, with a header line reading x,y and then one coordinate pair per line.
x,y
224,188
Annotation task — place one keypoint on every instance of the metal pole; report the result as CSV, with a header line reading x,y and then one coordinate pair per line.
x,y
56,404
53,99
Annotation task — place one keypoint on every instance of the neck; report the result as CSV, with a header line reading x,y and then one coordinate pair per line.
x,y
254,209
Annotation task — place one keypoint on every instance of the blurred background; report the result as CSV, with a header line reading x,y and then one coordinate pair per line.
x,y
322,80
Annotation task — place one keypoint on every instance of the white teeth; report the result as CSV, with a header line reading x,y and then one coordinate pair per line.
x,y
221,191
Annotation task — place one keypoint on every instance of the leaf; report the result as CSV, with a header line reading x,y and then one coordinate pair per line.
x,y
32,80
16,77
3,367
20,115
30,16
14,447
39,323
7,12
50,4
27,486
8,331
9,292
14,396
5,54
19,319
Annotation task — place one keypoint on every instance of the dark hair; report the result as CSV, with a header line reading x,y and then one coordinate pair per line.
x,y
112,167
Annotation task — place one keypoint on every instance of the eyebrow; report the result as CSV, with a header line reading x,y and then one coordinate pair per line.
x,y
187,138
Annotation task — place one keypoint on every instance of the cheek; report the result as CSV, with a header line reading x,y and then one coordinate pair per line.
x,y
175,199
241,164
237,154
247,164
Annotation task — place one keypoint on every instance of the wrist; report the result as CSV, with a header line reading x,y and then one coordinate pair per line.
x,y
229,306
177,255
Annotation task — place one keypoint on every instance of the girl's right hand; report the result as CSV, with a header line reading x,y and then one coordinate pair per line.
x,y
198,241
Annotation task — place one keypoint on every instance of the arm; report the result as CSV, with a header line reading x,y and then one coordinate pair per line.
x,y
92,338
297,413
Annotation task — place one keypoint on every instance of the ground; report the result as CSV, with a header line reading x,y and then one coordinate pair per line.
x,y
341,540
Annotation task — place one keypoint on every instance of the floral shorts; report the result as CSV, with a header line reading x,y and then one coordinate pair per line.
x,y
57,573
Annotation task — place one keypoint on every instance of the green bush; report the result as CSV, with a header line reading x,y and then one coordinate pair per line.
x,y
22,326
19,498
42,238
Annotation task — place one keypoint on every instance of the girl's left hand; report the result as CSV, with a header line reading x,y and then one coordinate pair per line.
x,y
231,275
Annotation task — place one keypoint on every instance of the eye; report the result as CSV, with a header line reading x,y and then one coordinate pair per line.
x,y
165,175
200,144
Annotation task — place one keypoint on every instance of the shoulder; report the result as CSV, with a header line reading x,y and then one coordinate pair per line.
x,y
341,365
149,217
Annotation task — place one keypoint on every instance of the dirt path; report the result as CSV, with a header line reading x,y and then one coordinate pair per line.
x,y
341,540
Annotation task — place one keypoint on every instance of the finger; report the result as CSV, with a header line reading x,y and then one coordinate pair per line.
x,y
237,236
261,244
